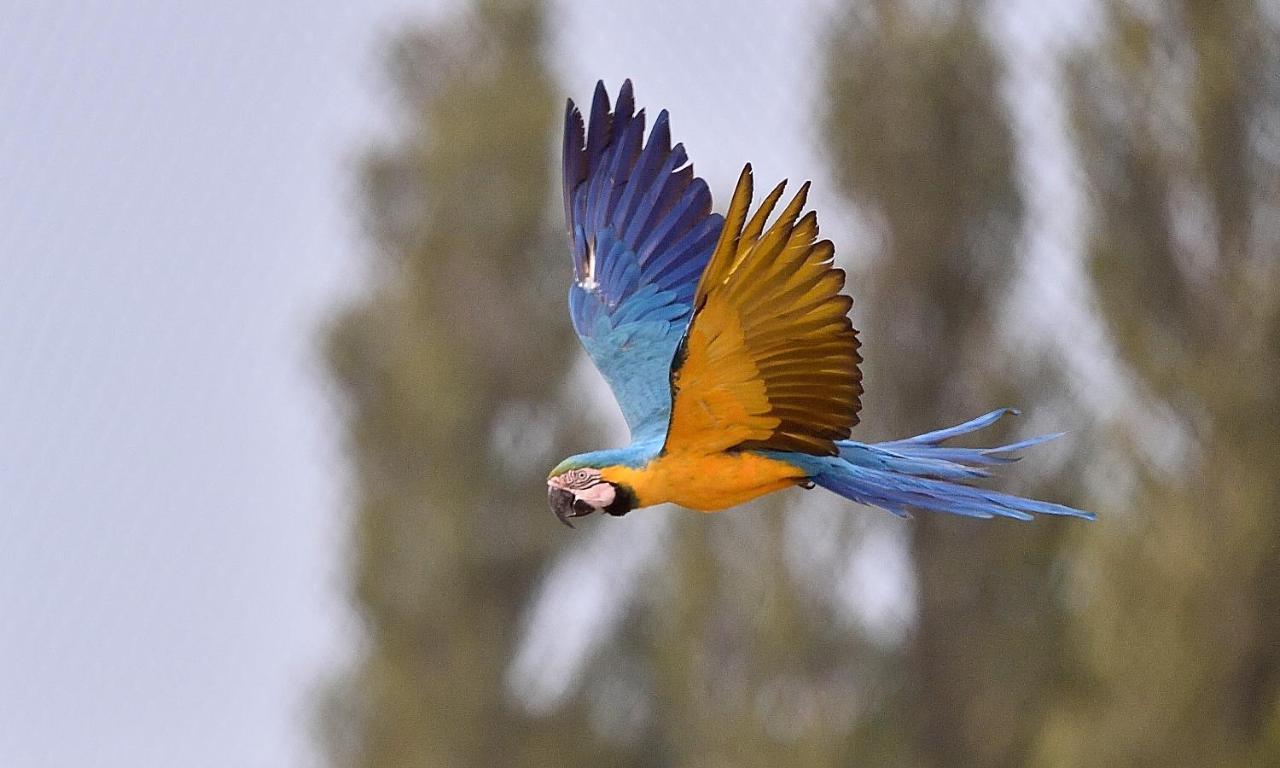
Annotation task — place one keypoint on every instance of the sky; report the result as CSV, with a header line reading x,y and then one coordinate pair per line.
x,y
176,224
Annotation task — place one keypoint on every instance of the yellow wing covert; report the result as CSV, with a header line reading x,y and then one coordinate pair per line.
x,y
770,358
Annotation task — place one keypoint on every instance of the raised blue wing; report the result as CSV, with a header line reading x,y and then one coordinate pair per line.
x,y
641,230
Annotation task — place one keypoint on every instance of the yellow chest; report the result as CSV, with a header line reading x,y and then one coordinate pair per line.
x,y
705,483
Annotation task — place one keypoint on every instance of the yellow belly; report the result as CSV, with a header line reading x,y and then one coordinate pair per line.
x,y
705,483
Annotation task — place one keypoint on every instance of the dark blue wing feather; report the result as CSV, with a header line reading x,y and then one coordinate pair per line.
x,y
641,231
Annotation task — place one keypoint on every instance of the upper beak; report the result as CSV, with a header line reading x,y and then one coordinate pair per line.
x,y
561,502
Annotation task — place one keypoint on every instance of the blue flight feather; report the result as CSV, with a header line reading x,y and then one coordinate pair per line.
x,y
641,232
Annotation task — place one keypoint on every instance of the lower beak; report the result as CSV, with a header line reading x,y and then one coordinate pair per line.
x,y
561,502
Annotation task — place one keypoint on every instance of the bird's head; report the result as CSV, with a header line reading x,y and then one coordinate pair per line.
x,y
577,491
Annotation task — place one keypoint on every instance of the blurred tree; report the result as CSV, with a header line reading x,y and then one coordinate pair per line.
x,y
747,666
449,370
1178,110
920,141
733,649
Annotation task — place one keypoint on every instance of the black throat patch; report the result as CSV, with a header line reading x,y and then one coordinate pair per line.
x,y
624,500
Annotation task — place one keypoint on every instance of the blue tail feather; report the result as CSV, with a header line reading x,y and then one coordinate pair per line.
x,y
921,473
941,435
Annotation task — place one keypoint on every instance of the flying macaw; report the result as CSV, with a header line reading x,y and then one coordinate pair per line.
x,y
728,346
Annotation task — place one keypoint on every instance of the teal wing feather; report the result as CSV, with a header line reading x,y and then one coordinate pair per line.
x,y
641,232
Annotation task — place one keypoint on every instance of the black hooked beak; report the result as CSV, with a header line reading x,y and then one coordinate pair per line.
x,y
566,506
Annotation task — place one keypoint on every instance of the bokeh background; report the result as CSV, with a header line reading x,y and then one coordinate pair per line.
x,y
284,361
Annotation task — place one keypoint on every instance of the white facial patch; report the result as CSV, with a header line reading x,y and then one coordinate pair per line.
x,y
599,495
590,282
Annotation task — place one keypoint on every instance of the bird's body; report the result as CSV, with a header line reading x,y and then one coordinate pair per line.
x,y
707,482
727,342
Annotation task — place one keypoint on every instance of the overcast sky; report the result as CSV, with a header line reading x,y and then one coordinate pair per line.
x,y
176,207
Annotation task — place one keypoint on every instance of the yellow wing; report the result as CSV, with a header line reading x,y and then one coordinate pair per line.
x,y
770,359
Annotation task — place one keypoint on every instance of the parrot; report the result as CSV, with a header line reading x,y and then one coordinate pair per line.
x,y
727,344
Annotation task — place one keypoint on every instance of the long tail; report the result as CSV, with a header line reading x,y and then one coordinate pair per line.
x,y
922,473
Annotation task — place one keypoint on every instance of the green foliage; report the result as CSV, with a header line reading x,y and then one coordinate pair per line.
x,y
1181,623
1149,638
919,139
450,369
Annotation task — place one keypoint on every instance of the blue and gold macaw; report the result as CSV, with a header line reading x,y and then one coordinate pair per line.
x,y
727,343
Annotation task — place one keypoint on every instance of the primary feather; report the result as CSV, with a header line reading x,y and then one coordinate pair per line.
x,y
641,231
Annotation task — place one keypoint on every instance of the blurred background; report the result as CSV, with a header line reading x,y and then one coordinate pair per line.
x,y
285,360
